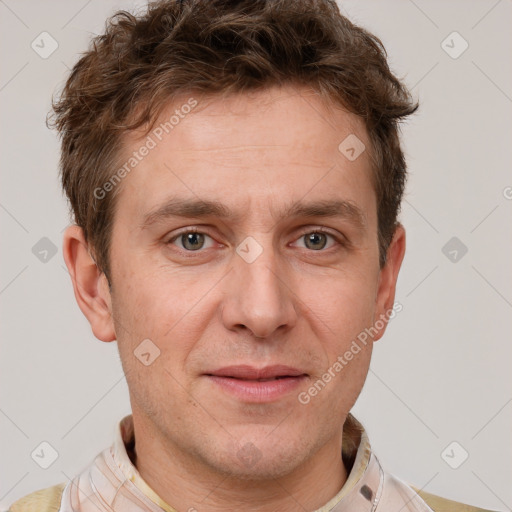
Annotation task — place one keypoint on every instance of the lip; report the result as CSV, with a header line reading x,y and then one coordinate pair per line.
x,y
244,381
247,372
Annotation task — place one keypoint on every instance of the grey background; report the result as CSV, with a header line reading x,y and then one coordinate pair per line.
x,y
442,371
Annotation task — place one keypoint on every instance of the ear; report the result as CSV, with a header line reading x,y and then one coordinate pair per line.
x,y
388,276
89,283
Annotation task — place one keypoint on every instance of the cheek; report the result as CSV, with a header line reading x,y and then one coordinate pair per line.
x,y
342,311
163,309
345,303
153,343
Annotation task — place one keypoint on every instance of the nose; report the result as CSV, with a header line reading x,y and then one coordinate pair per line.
x,y
259,295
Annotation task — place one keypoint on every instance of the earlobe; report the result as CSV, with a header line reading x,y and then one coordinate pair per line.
x,y
89,283
385,298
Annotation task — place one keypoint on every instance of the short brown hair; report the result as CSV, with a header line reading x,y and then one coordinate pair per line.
x,y
133,70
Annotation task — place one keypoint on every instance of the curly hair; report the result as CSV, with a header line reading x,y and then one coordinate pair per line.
x,y
142,62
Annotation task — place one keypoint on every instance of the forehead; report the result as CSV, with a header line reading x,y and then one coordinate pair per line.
x,y
248,148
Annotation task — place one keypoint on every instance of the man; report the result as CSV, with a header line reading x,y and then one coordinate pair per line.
x,y
235,174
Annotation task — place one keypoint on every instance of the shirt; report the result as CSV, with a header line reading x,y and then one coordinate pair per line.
x,y
111,483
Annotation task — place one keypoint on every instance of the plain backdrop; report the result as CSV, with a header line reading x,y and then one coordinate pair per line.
x,y
440,375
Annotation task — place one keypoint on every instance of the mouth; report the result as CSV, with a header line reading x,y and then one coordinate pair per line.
x,y
257,380
250,384
247,372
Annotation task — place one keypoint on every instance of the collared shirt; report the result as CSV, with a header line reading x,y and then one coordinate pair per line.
x,y
111,483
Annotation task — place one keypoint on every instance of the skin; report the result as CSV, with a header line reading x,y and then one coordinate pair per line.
x,y
296,304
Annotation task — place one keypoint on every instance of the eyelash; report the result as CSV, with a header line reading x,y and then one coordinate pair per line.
x,y
339,241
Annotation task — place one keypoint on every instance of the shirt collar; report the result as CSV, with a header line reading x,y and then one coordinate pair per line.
x,y
361,486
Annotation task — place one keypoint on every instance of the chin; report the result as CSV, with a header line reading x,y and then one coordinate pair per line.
x,y
260,460
270,468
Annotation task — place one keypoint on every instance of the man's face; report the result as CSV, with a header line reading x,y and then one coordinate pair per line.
x,y
256,290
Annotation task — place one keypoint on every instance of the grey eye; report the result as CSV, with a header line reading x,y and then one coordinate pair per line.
x,y
191,241
315,241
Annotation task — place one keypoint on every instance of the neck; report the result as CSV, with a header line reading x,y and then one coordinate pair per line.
x,y
188,485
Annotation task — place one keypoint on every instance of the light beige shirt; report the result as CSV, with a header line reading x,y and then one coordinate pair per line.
x,y
111,483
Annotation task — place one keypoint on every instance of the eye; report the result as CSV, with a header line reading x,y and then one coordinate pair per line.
x,y
191,240
317,239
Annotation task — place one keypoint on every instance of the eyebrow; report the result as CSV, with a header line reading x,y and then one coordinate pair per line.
x,y
192,208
